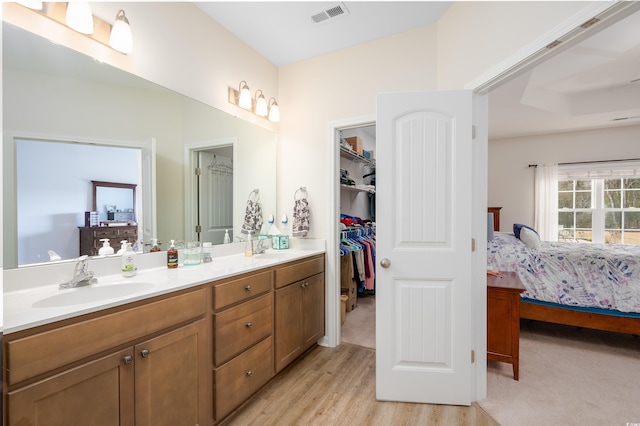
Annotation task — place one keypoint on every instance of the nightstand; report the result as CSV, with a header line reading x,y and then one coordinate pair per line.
x,y
503,319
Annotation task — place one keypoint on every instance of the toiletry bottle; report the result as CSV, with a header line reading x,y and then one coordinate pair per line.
x,y
172,256
129,268
227,239
123,247
106,248
248,245
154,245
207,252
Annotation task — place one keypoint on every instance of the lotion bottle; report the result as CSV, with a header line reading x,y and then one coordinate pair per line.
x,y
227,239
172,256
106,248
129,268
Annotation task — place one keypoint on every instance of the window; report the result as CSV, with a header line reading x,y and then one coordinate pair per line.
x,y
600,205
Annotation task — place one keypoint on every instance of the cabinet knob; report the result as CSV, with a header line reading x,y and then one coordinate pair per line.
x,y
128,359
385,263
145,353
249,373
248,288
249,324
304,285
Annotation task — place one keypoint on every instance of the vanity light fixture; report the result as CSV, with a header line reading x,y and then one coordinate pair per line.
x,y
244,100
260,107
274,110
120,38
261,104
79,17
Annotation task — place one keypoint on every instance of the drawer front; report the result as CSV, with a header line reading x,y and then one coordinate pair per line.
x,y
241,377
125,233
36,354
239,290
104,232
299,271
241,327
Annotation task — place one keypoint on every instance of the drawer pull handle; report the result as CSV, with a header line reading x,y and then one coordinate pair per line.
x,y
249,373
144,353
249,324
128,359
305,285
248,288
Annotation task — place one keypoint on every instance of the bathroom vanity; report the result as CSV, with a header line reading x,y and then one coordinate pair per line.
x,y
185,346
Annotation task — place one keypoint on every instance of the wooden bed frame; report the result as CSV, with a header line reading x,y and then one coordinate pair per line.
x,y
592,320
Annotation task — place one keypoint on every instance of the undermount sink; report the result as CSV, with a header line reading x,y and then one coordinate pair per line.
x,y
80,295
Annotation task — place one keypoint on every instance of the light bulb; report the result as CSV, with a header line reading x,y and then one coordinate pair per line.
x,y
120,38
245,96
79,17
261,105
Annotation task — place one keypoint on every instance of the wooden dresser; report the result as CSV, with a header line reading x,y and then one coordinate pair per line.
x,y
90,237
503,319
496,217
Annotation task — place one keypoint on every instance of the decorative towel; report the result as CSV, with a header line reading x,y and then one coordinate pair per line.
x,y
252,217
300,218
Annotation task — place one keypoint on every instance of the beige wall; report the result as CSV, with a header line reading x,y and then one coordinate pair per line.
x,y
473,37
511,180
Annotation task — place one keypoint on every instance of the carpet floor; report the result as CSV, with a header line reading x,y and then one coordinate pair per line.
x,y
568,376
359,326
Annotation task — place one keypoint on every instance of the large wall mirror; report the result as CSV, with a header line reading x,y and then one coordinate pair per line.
x,y
54,94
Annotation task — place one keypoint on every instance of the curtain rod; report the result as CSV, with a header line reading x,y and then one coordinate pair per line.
x,y
591,162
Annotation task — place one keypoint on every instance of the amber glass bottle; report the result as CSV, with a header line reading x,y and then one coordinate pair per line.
x,y
172,256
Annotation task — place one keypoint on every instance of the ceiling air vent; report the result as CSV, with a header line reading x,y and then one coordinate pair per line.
x,y
329,13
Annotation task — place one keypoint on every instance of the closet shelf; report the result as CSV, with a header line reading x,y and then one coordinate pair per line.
x,y
354,189
347,153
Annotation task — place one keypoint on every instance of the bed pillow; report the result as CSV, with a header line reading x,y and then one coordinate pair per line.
x,y
530,238
517,227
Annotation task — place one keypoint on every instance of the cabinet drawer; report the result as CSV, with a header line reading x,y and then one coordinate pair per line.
x,y
36,354
299,271
239,328
104,232
128,232
241,377
235,291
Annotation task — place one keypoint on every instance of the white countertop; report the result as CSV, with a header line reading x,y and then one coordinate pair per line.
x,y
38,305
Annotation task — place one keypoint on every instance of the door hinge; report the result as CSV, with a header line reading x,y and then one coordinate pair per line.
x,y
198,229
473,244
198,171
473,356
473,132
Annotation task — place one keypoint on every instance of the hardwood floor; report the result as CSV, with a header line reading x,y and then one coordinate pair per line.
x,y
330,386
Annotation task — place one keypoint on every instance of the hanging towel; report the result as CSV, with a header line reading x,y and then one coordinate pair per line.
x,y
300,218
252,217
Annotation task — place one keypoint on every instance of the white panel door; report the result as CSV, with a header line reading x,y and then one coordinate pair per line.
x,y
423,295
215,198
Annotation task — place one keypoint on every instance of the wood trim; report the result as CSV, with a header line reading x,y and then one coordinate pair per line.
x,y
592,320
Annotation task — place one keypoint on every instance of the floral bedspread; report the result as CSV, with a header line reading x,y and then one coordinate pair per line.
x,y
590,275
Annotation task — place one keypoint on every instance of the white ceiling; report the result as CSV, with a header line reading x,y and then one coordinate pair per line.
x,y
584,87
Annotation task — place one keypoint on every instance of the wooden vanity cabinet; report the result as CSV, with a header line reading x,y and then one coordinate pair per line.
x,y
299,309
242,339
143,365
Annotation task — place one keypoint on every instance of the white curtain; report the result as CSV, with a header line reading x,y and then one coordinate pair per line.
x,y
546,202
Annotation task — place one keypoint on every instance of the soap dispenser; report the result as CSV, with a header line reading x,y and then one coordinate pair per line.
x,y
227,239
123,247
172,256
129,268
106,248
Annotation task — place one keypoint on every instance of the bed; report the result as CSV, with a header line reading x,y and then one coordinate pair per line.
x,y
586,285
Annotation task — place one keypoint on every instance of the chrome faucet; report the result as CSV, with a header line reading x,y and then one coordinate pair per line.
x,y
81,275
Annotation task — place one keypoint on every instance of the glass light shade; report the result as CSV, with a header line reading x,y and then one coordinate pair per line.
x,y
261,104
79,17
274,111
244,100
120,38
31,4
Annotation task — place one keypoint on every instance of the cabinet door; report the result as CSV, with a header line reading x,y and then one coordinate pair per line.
x,y
171,378
313,310
99,392
288,326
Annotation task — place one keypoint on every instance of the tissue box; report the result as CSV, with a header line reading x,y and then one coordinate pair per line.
x,y
280,242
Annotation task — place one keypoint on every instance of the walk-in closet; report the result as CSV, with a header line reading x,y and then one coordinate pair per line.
x,y
358,234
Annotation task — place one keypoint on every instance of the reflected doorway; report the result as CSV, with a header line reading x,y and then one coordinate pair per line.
x,y
215,194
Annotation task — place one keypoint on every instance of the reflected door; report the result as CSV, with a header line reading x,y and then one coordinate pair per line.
x,y
215,195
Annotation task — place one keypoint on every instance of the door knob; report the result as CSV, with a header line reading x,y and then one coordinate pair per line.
x,y
385,263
